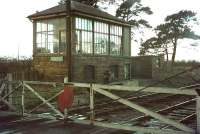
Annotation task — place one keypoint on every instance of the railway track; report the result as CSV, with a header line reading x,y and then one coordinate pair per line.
x,y
176,107
100,104
106,108
181,112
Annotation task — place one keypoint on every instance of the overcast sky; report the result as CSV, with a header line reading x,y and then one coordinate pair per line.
x,y
16,29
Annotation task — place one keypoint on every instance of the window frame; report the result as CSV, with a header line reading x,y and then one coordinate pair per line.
x,y
100,33
108,51
79,43
46,45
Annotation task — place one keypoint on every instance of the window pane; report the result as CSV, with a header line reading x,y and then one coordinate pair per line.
x,y
100,38
56,24
44,38
115,40
115,45
38,27
84,36
87,42
83,24
78,41
100,27
44,26
55,47
39,38
62,41
49,38
101,43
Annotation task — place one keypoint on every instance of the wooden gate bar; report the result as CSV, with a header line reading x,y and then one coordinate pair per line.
x,y
165,90
46,101
145,111
126,88
42,99
149,89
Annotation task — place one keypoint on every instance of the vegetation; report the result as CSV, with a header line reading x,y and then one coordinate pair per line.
x,y
176,27
186,63
130,10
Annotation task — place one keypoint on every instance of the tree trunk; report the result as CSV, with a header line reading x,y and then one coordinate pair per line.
x,y
174,52
167,53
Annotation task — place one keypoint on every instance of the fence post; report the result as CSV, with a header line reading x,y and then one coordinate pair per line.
x,y
10,79
22,103
92,114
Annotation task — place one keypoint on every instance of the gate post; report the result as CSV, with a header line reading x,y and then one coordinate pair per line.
x,y
198,111
92,114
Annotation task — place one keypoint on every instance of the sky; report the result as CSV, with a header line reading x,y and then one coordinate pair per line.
x,y
16,29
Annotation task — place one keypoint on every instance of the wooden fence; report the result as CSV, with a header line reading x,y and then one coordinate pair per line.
x,y
24,75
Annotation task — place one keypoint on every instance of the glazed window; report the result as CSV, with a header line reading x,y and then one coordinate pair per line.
x,y
94,37
115,40
101,35
84,38
51,36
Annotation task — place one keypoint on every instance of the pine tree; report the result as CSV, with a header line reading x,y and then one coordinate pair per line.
x,y
176,27
130,11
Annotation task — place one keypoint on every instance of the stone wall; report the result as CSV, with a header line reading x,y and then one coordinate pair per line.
x,y
101,65
53,68
57,70
142,67
147,67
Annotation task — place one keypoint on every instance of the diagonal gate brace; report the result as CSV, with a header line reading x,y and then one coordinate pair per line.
x,y
145,111
3,99
2,88
43,100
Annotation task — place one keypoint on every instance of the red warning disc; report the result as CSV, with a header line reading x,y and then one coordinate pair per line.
x,y
65,99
